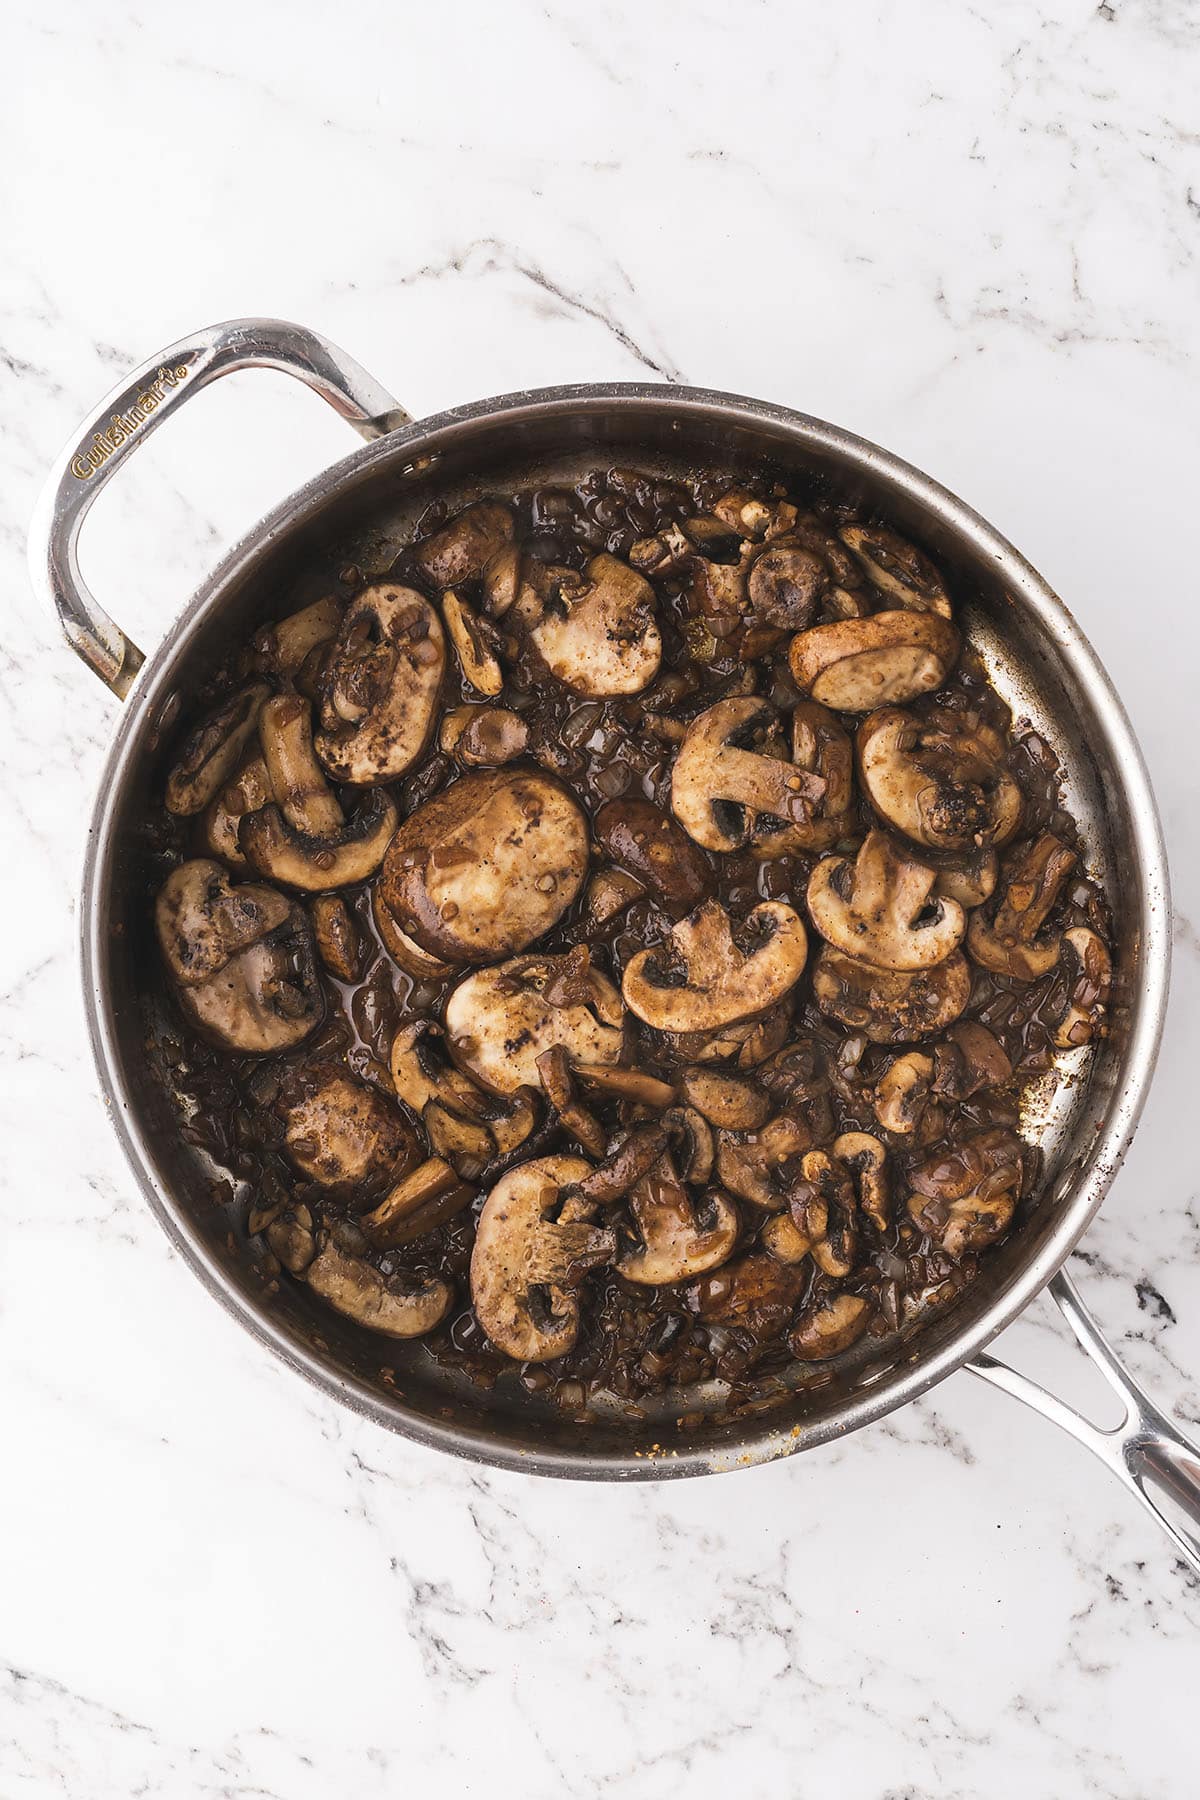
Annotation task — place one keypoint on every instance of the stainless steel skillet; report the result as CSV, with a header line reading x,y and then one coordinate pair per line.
x,y
362,507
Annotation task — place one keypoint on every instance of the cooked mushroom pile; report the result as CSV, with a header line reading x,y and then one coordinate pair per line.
x,y
613,941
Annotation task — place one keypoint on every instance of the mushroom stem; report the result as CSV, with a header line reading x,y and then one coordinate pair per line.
x,y
304,796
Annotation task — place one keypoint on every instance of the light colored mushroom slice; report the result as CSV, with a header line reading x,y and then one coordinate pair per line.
x,y
890,1006
634,1085
401,948
478,661
608,641
243,793
483,737
902,1092
970,881
499,1021
680,1236
533,1245
211,753
901,571
880,908
501,580
242,960
339,1131
304,838
381,689
460,551
755,1164
337,939
610,892
390,1304
487,866
830,1325
1012,940
940,781
733,786
853,665
965,1197
703,979
732,1102
288,643
1090,988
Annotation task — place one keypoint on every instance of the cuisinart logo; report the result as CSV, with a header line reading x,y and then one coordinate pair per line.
x,y
125,424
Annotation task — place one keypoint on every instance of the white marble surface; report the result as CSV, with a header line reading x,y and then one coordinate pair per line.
x,y
971,233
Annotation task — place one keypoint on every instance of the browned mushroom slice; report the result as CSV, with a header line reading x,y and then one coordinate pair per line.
x,y
1012,940
940,780
680,1236
756,1294
867,1161
890,1006
880,908
785,586
483,737
499,1021
554,1072
733,1102
970,880
607,641
401,948
964,1197
853,665
704,979
500,582
424,1080
426,1197
627,1084
532,1250
629,1162
286,644
823,1206
487,866
337,939
901,571
757,1165
902,1092
733,787
744,513
395,1305
649,845
745,1045
610,892
292,1238
341,1132
476,657
382,686
695,1146
829,1326
246,792
460,551
1090,988
259,991
213,750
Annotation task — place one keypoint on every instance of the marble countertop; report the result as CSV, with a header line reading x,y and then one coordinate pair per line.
x,y
971,234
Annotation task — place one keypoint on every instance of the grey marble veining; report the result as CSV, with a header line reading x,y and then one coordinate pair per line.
x,y
970,233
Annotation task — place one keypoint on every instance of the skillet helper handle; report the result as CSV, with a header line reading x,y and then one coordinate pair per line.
x,y
127,416
1146,1452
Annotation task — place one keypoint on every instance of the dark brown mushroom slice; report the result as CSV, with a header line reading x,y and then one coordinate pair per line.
x,y
1011,937
631,1160
1090,988
554,1072
694,1146
887,1005
381,686
245,792
648,845
964,1196
785,587
407,1209
897,568
460,551
340,1132
634,1085
756,1294
829,1326
337,937
211,752
486,866
941,780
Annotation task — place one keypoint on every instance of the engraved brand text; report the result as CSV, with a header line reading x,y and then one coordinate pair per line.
x,y
125,424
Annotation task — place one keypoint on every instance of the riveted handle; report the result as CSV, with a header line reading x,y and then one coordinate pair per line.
x,y
1146,1451
127,416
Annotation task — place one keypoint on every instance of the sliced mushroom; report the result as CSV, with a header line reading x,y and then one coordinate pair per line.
x,y
1091,986
1012,940
785,586
695,1145
680,1236
291,1237
732,1102
243,793
531,1252
500,1020
856,664
610,892
733,787
303,838
608,640
486,866
649,845
476,658
390,1304
382,685
483,737
823,1205
757,1165
744,513
341,1132
970,881
460,551
965,1197
829,1326
746,1045
629,1162
867,1161
213,750
337,939
881,908
902,1092
704,979
971,1059
941,781
554,1073
755,1294
633,1085
901,571
287,644
401,948
242,959
500,582
425,1198
423,1080
888,1005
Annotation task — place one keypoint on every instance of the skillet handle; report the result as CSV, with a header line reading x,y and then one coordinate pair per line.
x,y
129,414
1146,1451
